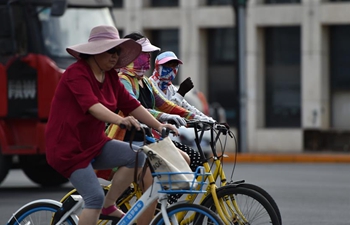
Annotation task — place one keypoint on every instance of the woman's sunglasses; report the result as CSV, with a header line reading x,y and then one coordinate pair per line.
x,y
114,50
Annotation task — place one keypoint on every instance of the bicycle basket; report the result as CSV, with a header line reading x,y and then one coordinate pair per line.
x,y
164,157
171,186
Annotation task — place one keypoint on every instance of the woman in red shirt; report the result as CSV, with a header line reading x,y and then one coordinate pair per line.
x,y
88,94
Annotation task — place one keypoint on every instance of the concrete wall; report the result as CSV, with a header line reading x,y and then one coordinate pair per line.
x,y
313,17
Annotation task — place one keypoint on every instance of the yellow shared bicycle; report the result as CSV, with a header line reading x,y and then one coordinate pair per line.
x,y
235,202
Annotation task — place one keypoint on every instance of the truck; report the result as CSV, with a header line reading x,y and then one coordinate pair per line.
x,y
33,37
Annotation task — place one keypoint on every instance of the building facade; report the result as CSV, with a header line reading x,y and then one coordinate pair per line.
x,y
297,63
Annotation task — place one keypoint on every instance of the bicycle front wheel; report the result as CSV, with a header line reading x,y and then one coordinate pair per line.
x,y
243,206
188,213
38,213
266,195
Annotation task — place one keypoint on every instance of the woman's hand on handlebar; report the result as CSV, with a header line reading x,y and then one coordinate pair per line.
x,y
170,127
129,122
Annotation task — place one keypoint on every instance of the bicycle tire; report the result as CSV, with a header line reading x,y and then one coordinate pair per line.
x,y
203,215
266,195
38,213
253,206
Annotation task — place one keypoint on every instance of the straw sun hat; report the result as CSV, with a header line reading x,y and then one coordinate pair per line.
x,y
103,38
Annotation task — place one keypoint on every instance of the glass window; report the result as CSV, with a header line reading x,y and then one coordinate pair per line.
x,y
222,83
117,3
339,48
340,57
164,3
57,30
281,1
20,29
167,40
283,82
6,40
219,2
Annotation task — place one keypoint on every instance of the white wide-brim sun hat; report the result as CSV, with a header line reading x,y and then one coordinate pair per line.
x,y
103,38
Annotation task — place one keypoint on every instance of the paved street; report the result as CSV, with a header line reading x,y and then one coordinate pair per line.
x,y
312,194
306,193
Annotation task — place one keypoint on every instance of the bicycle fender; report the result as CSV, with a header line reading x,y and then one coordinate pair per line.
x,y
179,202
209,196
236,183
50,201
34,202
66,208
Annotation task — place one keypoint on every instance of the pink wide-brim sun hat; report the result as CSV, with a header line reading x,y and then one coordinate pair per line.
x,y
103,38
166,57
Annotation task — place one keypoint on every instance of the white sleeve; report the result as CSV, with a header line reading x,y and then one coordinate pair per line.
x,y
179,100
172,90
191,108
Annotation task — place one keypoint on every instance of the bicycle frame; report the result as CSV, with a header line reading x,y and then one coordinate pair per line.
x,y
211,188
212,177
151,194
154,192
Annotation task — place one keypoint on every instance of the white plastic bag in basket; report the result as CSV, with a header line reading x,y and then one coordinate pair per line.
x,y
165,157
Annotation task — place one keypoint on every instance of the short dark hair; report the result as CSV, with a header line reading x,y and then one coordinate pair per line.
x,y
134,36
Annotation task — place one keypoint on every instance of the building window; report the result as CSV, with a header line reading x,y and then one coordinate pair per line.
x,y
283,77
340,57
339,48
167,40
219,2
117,3
164,3
281,1
222,77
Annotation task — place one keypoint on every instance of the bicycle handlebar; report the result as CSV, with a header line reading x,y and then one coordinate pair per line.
x,y
122,126
207,125
147,131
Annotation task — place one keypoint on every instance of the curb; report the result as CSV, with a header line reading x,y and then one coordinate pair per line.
x,y
288,158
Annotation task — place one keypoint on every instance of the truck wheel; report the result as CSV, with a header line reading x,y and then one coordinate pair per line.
x,y
38,171
5,165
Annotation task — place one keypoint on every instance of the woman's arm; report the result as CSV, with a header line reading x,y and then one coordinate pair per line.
x,y
145,117
102,113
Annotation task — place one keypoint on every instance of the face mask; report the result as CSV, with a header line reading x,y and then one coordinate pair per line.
x,y
140,72
142,62
167,75
139,66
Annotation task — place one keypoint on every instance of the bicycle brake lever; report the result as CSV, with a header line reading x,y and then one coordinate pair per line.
x,y
172,122
230,133
165,132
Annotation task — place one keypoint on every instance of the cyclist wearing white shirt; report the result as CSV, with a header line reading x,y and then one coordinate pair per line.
x,y
165,70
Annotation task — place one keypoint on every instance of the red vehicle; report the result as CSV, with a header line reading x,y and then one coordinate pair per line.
x,y
33,38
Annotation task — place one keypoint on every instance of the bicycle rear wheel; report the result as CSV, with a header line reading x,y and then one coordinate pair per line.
x,y
243,206
38,213
192,213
